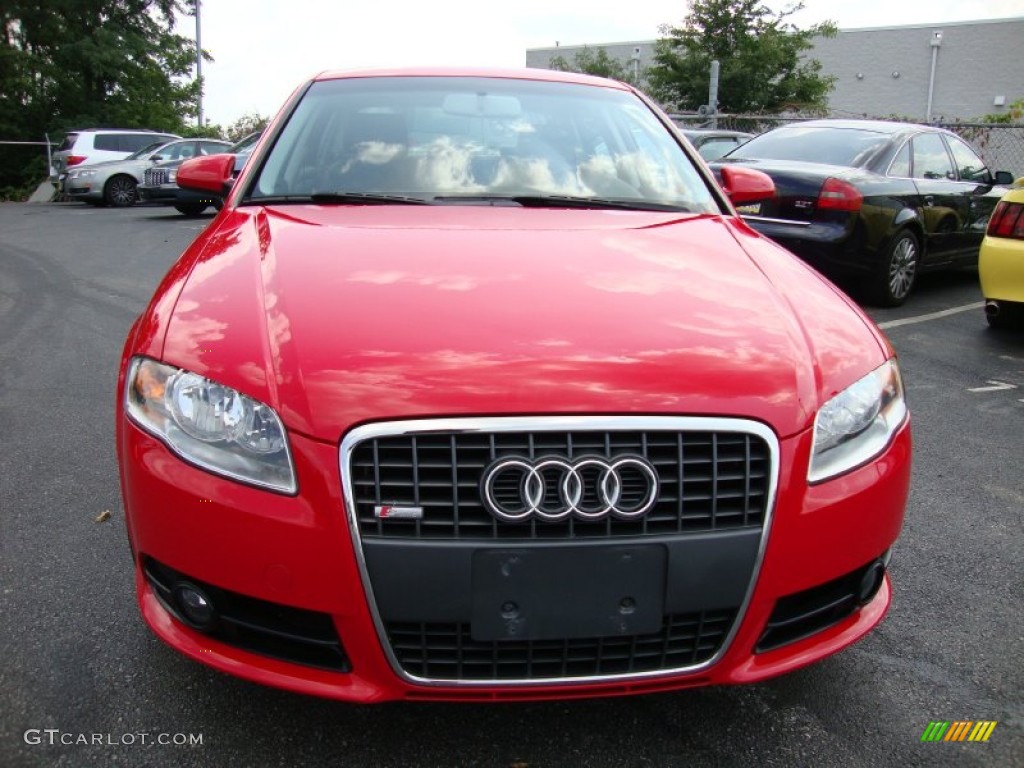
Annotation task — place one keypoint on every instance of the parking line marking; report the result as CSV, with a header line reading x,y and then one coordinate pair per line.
x,y
997,386
931,316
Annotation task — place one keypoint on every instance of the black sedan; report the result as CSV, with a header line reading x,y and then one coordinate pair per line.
x,y
872,201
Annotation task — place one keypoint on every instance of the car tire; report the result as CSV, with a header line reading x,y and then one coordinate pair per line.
x,y
897,272
120,192
190,209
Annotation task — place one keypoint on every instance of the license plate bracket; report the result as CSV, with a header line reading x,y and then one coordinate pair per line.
x,y
545,593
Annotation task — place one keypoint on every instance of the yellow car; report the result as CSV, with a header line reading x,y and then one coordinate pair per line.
x,y
1001,262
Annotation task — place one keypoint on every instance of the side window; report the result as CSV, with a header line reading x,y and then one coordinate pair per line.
x,y
178,151
133,142
968,164
108,142
931,160
900,167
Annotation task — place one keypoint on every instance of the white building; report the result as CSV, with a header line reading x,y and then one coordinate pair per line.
x,y
967,69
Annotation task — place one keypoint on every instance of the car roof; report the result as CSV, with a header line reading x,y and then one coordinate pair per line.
x,y
120,130
879,126
197,138
546,75
712,132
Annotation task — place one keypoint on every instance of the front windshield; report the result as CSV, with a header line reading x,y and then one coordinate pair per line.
x,y
139,153
849,147
455,139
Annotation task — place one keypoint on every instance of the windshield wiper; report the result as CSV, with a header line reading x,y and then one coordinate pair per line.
x,y
366,198
357,198
563,201
526,201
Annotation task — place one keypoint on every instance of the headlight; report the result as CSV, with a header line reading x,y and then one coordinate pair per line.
x,y
211,425
857,424
172,176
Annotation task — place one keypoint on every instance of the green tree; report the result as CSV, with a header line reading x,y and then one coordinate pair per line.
x,y
1014,114
595,61
246,124
208,131
759,54
93,63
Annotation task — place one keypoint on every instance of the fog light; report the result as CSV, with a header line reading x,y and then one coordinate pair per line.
x,y
871,582
195,606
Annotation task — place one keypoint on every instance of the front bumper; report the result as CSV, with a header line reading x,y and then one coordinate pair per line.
x,y
172,194
300,553
164,193
82,189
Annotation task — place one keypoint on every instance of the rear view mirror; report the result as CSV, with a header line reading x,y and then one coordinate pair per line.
x,y
482,105
1003,178
745,185
212,173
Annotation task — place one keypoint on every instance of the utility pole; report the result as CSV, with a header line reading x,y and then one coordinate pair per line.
x,y
936,42
199,60
713,94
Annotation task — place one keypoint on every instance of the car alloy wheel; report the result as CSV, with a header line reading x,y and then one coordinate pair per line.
x,y
898,272
120,192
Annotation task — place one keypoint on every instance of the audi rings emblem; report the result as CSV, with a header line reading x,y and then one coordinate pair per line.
x,y
552,488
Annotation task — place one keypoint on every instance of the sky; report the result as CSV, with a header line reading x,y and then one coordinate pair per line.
x,y
264,49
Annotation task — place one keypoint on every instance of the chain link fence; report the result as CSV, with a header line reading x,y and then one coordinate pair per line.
x,y
1000,145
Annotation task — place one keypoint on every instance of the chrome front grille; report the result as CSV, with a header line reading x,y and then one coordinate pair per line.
x,y
432,577
709,480
154,177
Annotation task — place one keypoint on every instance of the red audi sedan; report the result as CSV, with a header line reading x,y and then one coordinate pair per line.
x,y
477,388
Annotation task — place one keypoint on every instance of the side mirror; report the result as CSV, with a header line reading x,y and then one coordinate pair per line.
x,y
745,185
1003,178
212,173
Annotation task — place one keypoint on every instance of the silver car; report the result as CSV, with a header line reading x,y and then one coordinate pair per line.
x,y
114,182
712,143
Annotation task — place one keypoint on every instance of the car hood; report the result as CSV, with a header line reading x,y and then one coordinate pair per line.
x,y
170,163
340,315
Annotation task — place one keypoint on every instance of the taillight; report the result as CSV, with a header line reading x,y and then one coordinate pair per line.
x,y
839,195
76,159
1007,221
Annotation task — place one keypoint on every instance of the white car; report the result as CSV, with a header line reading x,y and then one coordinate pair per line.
x,y
94,145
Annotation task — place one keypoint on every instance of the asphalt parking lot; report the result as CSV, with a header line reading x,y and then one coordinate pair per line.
x,y
83,682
